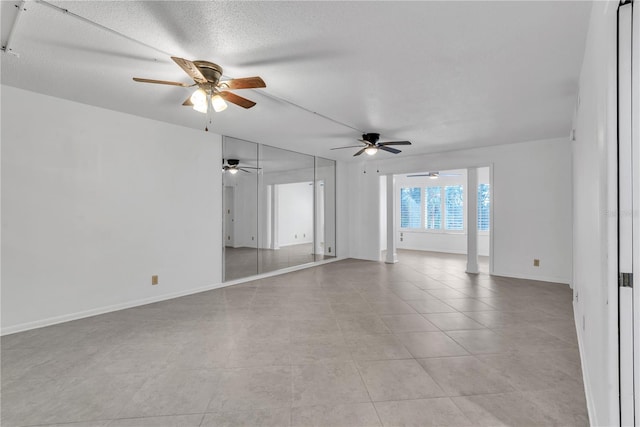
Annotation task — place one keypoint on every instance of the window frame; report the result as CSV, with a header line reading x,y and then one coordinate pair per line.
x,y
423,208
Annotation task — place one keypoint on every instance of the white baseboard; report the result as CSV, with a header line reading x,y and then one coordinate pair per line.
x,y
21,327
591,407
552,279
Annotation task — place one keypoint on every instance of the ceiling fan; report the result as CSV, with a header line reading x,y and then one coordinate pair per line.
x,y
372,145
233,166
211,91
433,175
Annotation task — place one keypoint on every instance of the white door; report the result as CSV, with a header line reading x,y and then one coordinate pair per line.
x,y
628,199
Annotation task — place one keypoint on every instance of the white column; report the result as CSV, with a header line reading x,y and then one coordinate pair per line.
x,y
472,220
392,256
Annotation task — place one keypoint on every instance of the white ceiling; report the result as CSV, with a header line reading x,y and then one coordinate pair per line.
x,y
444,75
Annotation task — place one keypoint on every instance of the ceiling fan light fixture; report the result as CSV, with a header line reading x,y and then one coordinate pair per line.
x,y
199,101
233,171
199,97
433,176
218,103
371,150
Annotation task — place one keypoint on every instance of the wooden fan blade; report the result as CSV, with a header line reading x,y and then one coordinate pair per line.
x,y
244,170
360,152
395,143
389,149
245,83
161,82
190,68
187,102
238,100
250,167
350,146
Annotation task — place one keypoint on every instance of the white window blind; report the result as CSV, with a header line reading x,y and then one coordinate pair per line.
x,y
484,206
433,208
454,208
410,207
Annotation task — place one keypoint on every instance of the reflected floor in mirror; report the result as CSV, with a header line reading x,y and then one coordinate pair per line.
x,y
349,343
244,262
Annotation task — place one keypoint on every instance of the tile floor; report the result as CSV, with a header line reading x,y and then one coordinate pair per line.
x,y
351,343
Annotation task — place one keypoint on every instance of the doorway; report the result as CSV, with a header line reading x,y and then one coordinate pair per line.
x,y
435,213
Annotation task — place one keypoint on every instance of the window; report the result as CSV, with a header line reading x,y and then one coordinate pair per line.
x,y
453,208
410,207
484,202
433,208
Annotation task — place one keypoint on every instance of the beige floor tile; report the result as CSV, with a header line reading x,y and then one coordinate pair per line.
x,y
276,417
507,409
377,347
362,324
173,392
527,372
431,344
481,341
465,375
398,380
327,384
424,412
408,323
352,415
257,388
467,304
431,306
452,321
166,421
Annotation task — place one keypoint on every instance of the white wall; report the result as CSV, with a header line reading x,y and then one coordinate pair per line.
x,y
363,222
594,219
94,202
531,202
295,213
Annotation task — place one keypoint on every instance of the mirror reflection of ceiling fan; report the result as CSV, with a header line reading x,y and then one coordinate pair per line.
x,y
371,145
233,166
211,93
433,175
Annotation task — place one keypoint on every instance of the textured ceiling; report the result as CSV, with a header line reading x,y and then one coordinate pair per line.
x,y
444,75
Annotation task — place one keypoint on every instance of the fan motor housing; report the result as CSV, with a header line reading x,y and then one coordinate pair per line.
x,y
212,72
371,137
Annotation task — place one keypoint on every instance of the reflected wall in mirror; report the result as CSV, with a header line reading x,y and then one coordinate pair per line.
x,y
240,208
325,208
286,209
279,208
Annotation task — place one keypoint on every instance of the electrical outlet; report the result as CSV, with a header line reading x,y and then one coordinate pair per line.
x,y
536,263
329,249
154,279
